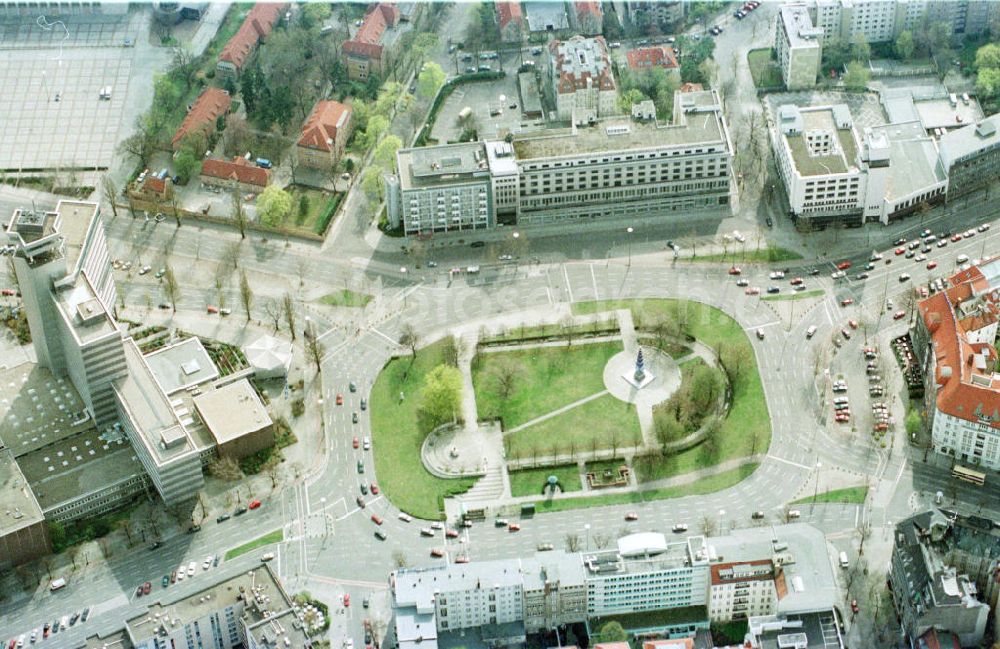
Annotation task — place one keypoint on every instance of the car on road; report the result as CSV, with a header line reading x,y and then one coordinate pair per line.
x,y
364,489
376,519
267,556
847,301
900,251
426,531
983,228
931,265
743,281
374,489
366,444
942,243
956,237
680,527
910,255
631,516
340,400
225,310
406,518
861,277
853,324
735,270
165,581
513,527
191,568
899,315
145,269
360,501
361,466
437,553
854,607
904,277
364,404
437,525
777,274
757,515
352,386
844,265
773,289
173,576
239,511
356,443
347,600
753,290
795,281
253,504
354,419
154,545
146,587
451,534
160,273
211,308
500,522
380,535
222,517
760,334
838,274
846,333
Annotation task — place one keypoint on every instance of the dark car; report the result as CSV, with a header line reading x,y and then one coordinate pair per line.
x,y
773,289
380,535
364,404
477,244
222,518
154,545
193,529
240,511
768,221
360,501
814,271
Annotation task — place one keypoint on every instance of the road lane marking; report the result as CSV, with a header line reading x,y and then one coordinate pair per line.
x,y
781,459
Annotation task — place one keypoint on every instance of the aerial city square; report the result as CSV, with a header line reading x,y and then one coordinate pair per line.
x,y
599,324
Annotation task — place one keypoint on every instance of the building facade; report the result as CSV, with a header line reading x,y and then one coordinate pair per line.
x,y
881,21
324,135
742,590
971,156
582,83
369,52
617,168
798,46
256,27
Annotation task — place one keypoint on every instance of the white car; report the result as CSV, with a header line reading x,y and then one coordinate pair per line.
x,y
181,573
838,274
367,444
207,563
777,274
437,525
145,269
191,568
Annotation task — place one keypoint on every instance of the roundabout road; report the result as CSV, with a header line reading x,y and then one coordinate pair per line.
x,y
784,358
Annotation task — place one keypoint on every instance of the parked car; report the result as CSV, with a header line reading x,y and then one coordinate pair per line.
x,y
253,504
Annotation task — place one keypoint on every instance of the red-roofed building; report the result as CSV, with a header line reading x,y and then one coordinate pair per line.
x,y
675,643
211,104
742,590
953,340
256,27
152,188
324,135
589,17
691,87
581,78
510,18
239,173
368,53
647,58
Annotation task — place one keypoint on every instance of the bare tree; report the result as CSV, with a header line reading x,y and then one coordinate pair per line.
x,y
505,374
409,337
225,468
110,193
315,349
289,308
272,307
272,467
246,294
601,540
708,525
572,542
454,348
231,255
171,287
399,559
239,214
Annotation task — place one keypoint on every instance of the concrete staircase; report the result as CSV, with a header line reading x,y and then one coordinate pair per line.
x,y
488,490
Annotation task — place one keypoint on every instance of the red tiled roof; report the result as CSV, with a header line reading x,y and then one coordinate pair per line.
x,y
239,170
154,184
691,87
570,82
320,128
211,103
368,41
676,643
589,7
934,639
508,11
645,58
256,27
612,645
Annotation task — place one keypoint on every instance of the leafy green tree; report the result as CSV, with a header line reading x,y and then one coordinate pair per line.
x,y
441,396
373,184
913,422
377,127
857,76
988,82
988,56
273,205
629,98
187,164
860,50
423,44
385,152
251,85
904,45
430,80
303,205
316,12
613,631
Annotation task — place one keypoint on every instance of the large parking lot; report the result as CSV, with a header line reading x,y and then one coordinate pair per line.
x,y
78,130
39,31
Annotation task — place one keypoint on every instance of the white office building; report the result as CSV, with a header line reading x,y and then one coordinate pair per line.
x,y
798,46
616,168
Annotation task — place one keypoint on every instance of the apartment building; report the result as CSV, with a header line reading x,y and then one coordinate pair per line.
x,y
324,135
652,586
929,593
24,534
256,27
798,46
370,51
665,13
200,121
954,339
971,156
880,21
582,83
614,169
249,608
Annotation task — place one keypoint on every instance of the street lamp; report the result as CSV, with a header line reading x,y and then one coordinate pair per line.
x,y
586,528
819,466
629,230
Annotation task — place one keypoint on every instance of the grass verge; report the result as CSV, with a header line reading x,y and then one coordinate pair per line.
x,y
397,438
604,422
271,537
699,487
850,495
346,297
801,295
544,379
764,69
767,255
746,429
550,331
529,482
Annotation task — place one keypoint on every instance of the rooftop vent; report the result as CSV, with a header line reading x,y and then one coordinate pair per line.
x,y
985,129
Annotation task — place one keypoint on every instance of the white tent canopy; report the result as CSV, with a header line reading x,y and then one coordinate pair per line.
x,y
269,356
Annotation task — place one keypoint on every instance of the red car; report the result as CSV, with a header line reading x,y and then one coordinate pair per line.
x,y
899,315
356,443
900,250
753,290
844,265
211,308
931,265
853,324
854,606
451,534
347,600
796,281
376,519
340,399
146,588
957,237
847,301
9,292
374,488
513,527
253,504
462,559
735,270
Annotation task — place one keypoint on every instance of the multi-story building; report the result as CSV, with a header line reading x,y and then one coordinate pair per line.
x,y
653,587
929,592
954,340
798,46
971,156
248,609
210,105
880,21
370,51
324,135
614,169
24,534
644,13
582,84
510,19
831,175
256,27
240,174
62,8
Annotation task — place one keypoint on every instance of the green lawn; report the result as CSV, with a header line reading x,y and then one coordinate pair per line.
x,y
699,487
747,427
765,255
514,334
604,422
271,537
396,437
314,218
528,482
764,70
547,378
346,297
850,495
801,295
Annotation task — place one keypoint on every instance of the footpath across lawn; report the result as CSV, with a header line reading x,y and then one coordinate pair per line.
x,y
542,379
746,429
397,438
272,537
604,422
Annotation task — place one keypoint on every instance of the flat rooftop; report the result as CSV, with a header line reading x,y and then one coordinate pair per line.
x,y
939,113
232,411
842,159
157,423
809,631
181,365
78,465
442,165
83,312
18,507
544,16
531,101
697,121
31,225
608,563
798,26
913,159
37,408
970,139
75,218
